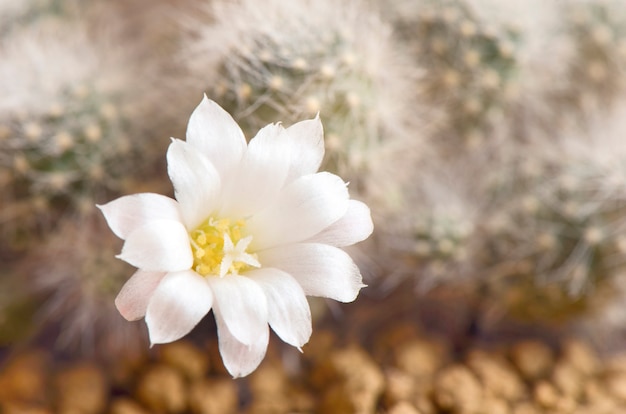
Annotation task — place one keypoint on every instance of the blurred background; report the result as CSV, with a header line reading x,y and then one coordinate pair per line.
x,y
488,137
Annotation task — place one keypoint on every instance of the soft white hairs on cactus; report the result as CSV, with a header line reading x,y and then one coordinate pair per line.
x,y
602,146
300,24
80,280
536,20
440,229
540,52
41,62
585,198
11,8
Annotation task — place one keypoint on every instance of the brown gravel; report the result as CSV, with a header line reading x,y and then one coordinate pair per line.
x,y
217,396
457,390
161,389
26,378
126,406
81,388
186,358
533,359
411,374
350,381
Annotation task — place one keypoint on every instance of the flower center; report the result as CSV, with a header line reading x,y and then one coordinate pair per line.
x,y
219,249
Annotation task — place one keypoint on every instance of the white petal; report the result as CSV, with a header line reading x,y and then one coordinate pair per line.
x,y
180,301
261,173
159,246
242,304
128,213
196,182
306,140
132,301
355,226
320,269
304,208
216,135
288,310
240,359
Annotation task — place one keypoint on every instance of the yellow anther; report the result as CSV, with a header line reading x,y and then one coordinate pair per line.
x,y
201,239
211,256
203,269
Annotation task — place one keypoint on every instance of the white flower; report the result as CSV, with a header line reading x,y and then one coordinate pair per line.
x,y
254,228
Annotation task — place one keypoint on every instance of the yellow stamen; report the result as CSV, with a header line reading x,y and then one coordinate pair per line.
x,y
207,244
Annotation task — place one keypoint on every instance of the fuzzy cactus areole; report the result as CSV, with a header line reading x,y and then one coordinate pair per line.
x,y
253,230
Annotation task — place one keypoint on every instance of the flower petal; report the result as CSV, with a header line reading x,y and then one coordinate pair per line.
x,y
240,359
158,246
288,310
355,226
132,301
320,269
306,139
128,213
261,173
180,301
304,208
196,182
216,135
242,304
